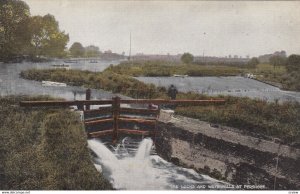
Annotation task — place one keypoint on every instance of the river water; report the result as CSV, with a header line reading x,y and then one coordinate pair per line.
x,y
234,86
12,84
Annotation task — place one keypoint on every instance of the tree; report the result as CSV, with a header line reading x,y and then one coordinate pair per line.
x,y
14,33
77,50
92,51
293,63
187,58
253,62
47,39
277,60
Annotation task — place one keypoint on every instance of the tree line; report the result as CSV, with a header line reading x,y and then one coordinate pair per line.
x,y
77,50
24,35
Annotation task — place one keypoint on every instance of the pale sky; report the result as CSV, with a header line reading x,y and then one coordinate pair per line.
x,y
158,27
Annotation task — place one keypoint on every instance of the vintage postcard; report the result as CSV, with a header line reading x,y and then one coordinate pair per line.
x,y
149,95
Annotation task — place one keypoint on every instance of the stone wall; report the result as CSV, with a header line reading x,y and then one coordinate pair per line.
x,y
227,154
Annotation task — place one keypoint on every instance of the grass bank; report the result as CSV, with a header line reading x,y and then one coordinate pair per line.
x,y
44,150
109,81
253,116
277,76
161,68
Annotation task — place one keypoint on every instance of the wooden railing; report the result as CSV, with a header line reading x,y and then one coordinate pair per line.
x,y
115,115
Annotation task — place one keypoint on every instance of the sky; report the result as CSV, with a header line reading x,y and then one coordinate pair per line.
x,y
215,28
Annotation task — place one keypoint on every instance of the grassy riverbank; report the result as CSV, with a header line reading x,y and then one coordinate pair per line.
x,y
109,81
44,150
254,116
277,76
161,68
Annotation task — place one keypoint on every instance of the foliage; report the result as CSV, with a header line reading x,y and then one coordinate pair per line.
x,y
291,80
288,75
22,35
77,50
187,58
44,150
253,62
162,68
92,51
14,36
47,39
277,60
255,117
293,63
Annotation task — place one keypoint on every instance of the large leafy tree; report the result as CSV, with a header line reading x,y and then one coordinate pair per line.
x,y
187,58
47,39
77,50
14,33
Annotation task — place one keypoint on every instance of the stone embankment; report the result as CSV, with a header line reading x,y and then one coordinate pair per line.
x,y
228,154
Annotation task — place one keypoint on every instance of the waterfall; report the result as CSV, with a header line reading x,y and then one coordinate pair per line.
x,y
143,171
144,149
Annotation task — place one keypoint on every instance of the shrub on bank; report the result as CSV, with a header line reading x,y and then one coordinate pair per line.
x,y
44,149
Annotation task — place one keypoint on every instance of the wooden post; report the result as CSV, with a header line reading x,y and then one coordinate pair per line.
x,y
87,97
116,113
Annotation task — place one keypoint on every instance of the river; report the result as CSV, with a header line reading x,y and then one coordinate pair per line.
x,y
12,84
233,85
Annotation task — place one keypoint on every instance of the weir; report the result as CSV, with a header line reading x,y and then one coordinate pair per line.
x,y
142,170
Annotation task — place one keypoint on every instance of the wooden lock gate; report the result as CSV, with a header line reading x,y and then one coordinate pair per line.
x,y
114,115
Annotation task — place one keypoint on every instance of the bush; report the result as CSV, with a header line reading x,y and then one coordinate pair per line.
x,y
44,150
187,58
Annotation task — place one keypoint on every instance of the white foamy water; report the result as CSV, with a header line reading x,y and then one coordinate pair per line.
x,y
143,171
